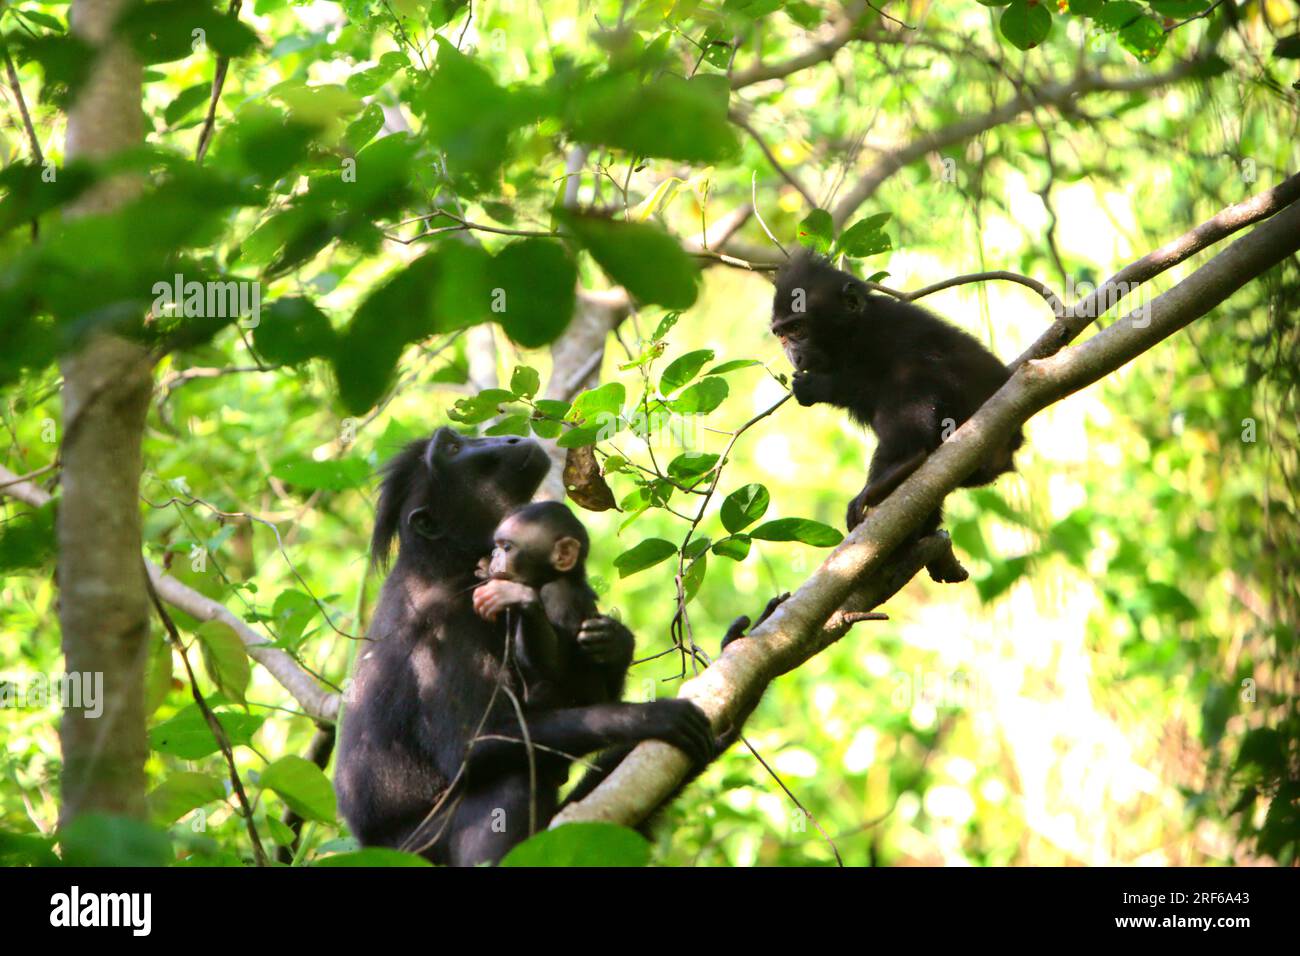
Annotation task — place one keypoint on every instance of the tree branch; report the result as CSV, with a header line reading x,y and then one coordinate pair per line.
x,y
798,628
846,30
1053,94
317,701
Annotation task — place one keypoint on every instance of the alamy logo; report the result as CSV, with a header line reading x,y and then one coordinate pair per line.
x,y
82,691
212,300
103,909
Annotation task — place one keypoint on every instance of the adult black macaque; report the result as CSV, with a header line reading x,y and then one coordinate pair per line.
x,y
906,373
570,655
429,756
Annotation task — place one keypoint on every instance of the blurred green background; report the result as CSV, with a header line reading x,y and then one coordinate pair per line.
x,y
1116,683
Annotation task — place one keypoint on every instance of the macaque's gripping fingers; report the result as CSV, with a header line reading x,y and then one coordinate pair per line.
x,y
802,386
505,594
689,731
481,603
735,631
857,511
606,635
481,569
772,605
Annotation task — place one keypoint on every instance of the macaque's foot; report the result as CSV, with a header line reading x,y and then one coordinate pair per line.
x,y
946,569
858,509
741,625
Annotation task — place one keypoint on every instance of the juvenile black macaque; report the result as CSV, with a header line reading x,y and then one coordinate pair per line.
x,y
895,367
570,655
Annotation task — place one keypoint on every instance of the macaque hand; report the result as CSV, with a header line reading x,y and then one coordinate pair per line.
x,y
481,571
809,388
605,640
493,597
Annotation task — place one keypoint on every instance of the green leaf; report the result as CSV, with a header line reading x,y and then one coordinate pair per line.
x,y
281,835
188,736
693,577
394,314
511,425
525,381
1086,8
186,101
1144,38
598,403
865,238
798,529
366,82
372,856
331,475
182,792
816,231
224,658
98,839
647,554
532,286
665,326
1178,9
476,409
582,436
65,62
682,369
735,547
158,676
689,467
582,844
303,786
1118,14
641,257
733,365
669,117
1024,25
363,129
27,539
469,117
292,612
702,397
743,507
162,30
292,330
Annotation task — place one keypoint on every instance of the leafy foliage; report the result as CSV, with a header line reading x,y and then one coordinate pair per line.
x,y
414,201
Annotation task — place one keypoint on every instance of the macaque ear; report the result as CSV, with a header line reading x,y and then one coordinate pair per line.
x,y
855,300
564,556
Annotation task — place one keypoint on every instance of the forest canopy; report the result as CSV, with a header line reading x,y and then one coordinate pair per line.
x,y
249,251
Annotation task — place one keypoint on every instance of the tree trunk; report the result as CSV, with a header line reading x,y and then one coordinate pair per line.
x,y
103,603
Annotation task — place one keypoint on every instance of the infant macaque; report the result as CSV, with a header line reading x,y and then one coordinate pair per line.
x,y
568,653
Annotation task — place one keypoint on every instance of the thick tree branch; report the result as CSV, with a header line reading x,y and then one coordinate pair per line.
x,y
315,700
797,629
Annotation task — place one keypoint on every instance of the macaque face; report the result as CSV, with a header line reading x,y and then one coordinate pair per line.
x,y
809,312
526,552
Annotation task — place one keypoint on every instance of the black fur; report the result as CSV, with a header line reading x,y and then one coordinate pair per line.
x,y
894,366
411,771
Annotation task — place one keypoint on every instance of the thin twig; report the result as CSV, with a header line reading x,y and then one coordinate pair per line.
x,y
219,732
218,82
